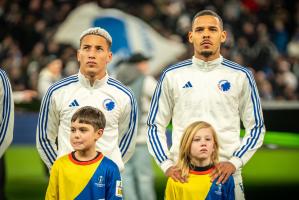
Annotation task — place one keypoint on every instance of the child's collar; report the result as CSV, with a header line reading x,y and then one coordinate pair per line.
x,y
201,170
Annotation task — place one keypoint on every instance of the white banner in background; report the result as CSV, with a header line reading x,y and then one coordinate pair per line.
x,y
129,35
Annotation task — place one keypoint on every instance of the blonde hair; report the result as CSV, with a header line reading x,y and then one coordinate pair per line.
x,y
185,146
97,31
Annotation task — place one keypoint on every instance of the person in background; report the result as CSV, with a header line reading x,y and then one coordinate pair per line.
x,y
50,74
6,124
207,88
92,86
138,177
198,155
85,173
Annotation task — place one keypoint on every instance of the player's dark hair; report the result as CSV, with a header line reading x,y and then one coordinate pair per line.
x,y
90,115
208,12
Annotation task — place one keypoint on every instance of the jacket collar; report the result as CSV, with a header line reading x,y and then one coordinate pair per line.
x,y
206,66
86,83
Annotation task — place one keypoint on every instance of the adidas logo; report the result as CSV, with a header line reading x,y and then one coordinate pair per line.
x,y
188,85
74,103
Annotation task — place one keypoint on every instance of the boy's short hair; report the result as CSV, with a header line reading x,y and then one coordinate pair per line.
x,y
90,115
97,31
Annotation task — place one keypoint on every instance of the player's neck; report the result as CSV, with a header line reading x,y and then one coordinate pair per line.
x,y
207,58
86,155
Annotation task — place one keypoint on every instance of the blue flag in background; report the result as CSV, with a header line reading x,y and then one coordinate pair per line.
x,y
129,35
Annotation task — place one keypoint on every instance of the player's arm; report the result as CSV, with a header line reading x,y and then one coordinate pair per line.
x,y
6,113
47,129
149,86
250,110
251,115
159,117
128,128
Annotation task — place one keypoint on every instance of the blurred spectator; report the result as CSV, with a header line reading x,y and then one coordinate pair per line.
x,y
286,81
264,51
138,177
293,45
259,32
49,75
25,96
71,68
264,86
280,36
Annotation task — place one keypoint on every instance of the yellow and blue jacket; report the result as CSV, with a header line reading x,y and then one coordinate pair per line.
x,y
200,187
96,179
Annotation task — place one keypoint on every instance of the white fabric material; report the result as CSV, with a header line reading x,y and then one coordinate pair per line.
x,y
138,36
148,90
68,95
45,80
219,92
239,187
6,113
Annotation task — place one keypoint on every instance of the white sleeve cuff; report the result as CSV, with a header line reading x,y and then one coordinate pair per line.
x,y
237,162
166,164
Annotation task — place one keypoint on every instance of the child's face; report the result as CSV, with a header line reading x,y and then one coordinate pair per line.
x,y
202,147
84,136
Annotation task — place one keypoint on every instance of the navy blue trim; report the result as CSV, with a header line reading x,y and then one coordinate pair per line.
x,y
6,106
127,137
152,132
43,117
256,131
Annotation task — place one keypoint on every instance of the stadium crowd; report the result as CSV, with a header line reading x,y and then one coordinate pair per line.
x,y
262,35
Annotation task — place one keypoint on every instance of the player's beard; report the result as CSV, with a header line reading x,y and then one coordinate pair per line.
x,y
91,74
206,54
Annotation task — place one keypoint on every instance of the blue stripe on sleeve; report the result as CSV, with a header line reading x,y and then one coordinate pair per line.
x,y
126,139
152,132
256,131
43,117
6,106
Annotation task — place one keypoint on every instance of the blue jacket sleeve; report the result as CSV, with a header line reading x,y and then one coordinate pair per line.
x,y
230,189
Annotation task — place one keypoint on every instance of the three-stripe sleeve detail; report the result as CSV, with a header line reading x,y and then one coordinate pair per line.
x,y
153,132
6,106
126,139
256,131
43,117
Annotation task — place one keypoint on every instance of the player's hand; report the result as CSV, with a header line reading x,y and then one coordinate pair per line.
x,y
222,171
175,174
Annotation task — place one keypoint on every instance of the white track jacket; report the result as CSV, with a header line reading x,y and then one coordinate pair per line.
x,y
6,113
69,94
219,92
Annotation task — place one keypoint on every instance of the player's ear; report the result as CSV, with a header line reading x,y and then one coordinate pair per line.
x,y
190,37
223,36
109,57
78,55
